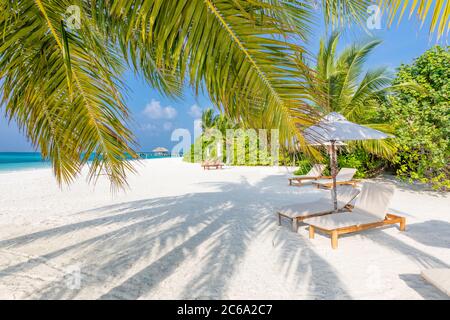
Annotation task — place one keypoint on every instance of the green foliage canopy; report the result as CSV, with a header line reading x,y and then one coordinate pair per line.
x,y
422,119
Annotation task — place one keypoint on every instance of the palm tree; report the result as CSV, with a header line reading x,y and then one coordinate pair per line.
x,y
208,119
344,88
63,86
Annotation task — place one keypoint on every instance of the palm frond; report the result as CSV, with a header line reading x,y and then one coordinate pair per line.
x,y
439,10
240,51
63,90
343,12
342,87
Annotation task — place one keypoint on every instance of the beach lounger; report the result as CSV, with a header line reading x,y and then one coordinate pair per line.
x,y
370,211
344,177
440,278
208,165
313,174
300,211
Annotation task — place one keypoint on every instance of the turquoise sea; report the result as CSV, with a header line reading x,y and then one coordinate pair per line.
x,y
13,161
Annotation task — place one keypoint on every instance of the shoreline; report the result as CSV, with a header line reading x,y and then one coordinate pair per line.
x,y
47,165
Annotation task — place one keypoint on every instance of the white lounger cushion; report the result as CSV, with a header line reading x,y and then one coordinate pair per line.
x,y
345,195
440,278
307,208
371,206
341,220
374,199
316,171
345,174
322,181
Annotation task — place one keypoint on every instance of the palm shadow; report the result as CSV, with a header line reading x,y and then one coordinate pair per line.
x,y
156,237
423,288
438,237
419,188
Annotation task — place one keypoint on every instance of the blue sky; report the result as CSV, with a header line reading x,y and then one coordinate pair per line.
x,y
155,116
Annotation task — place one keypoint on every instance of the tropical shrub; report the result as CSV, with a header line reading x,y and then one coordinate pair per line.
x,y
303,167
367,164
422,120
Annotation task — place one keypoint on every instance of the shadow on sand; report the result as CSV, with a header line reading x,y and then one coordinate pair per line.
x,y
137,246
160,235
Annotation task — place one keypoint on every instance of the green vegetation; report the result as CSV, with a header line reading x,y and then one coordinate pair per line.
x,y
418,116
215,133
340,84
63,85
368,165
422,120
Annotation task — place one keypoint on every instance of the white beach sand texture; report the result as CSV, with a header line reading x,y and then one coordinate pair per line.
x,y
182,232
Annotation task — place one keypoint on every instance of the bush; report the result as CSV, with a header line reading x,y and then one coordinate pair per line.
x,y
303,167
422,120
368,165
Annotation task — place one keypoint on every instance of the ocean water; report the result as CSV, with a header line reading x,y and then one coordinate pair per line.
x,y
14,161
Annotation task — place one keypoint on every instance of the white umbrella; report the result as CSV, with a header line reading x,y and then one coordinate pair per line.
x,y
161,150
331,131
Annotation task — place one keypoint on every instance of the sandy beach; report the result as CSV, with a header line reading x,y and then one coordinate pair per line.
x,y
179,232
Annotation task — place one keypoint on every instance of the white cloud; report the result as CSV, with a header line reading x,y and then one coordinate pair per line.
x,y
195,111
154,110
167,126
148,127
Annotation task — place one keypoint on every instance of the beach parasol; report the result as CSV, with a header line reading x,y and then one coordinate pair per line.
x,y
331,131
160,150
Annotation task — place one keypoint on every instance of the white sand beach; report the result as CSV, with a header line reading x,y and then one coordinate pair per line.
x,y
180,232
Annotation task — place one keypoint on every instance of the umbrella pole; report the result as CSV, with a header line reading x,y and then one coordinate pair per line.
x,y
334,173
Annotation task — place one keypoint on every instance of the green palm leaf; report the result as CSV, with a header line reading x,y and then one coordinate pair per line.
x,y
237,50
347,90
63,90
439,10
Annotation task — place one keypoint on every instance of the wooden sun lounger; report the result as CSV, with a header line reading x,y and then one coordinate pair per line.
x,y
314,174
369,212
209,166
335,233
301,211
329,185
344,177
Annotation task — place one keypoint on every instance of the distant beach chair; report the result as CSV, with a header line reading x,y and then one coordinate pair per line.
x,y
301,211
440,278
370,211
212,164
344,177
314,174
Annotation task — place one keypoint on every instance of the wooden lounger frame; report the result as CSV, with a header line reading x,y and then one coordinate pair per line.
x,y
209,166
335,233
301,179
329,185
296,220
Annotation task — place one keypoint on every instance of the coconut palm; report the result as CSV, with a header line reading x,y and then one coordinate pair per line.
x,y
62,84
345,88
